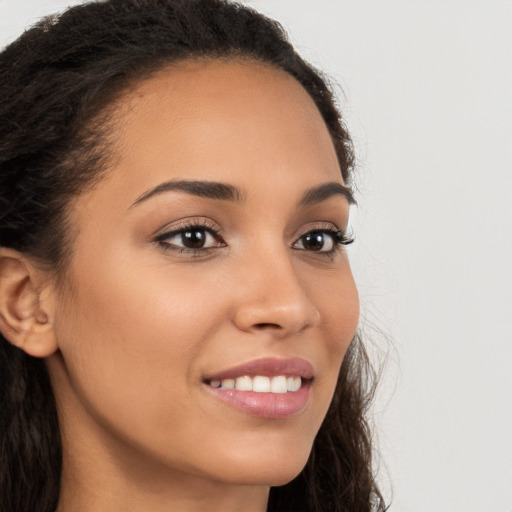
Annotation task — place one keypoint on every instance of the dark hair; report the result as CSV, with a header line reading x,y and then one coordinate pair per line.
x,y
58,83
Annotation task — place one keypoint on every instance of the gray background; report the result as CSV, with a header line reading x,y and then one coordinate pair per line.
x,y
426,96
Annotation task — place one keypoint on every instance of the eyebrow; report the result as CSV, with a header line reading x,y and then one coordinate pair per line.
x,y
208,189
227,192
325,191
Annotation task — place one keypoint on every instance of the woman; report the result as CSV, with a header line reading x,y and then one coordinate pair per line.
x,y
175,299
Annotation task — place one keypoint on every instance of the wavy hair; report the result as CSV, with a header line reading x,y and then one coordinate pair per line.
x,y
58,86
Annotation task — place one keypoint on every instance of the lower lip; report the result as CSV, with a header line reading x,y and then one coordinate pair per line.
x,y
266,405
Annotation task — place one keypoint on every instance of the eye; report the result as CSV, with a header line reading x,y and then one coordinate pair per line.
x,y
193,238
322,240
317,241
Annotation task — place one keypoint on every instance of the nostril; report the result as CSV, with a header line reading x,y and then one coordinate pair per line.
x,y
267,326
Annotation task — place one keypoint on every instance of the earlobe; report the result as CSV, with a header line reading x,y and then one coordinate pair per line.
x,y
24,322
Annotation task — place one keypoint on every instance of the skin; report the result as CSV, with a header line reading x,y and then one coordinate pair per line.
x,y
138,327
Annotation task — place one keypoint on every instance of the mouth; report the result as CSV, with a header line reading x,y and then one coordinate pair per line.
x,y
267,388
260,384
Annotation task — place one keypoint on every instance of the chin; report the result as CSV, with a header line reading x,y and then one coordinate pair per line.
x,y
267,477
274,470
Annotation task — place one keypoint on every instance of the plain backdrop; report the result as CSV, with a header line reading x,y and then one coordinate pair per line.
x,y
425,89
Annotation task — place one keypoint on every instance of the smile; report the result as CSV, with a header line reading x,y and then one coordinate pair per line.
x,y
270,388
260,384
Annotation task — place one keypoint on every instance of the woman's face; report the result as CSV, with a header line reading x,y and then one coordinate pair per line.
x,y
208,253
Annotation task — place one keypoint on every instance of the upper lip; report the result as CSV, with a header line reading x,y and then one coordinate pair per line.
x,y
270,367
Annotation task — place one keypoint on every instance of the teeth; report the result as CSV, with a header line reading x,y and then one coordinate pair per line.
x,y
228,384
260,384
243,383
293,383
278,384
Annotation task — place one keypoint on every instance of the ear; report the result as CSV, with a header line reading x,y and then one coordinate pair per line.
x,y
24,319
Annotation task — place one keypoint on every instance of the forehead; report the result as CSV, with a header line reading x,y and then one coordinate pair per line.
x,y
205,118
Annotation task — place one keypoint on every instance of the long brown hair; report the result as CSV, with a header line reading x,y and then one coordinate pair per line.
x,y
57,82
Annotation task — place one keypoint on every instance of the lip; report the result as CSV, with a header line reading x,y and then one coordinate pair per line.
x,y
266,405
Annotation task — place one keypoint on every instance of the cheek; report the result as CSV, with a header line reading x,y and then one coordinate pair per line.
x,y
129,338
139,309
338,303
337,299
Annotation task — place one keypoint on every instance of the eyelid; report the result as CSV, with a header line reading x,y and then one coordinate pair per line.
x,y
324,226
189,224
339,236
316,226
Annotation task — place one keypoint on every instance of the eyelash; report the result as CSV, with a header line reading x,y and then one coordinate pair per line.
x,y
339,238
192,226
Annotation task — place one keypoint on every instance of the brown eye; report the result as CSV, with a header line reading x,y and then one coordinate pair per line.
x,y
194,239
190,238
316,241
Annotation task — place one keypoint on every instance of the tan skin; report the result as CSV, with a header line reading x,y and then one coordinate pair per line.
x,y
136,325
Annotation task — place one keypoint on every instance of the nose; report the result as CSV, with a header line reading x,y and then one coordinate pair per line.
x,y
271,298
